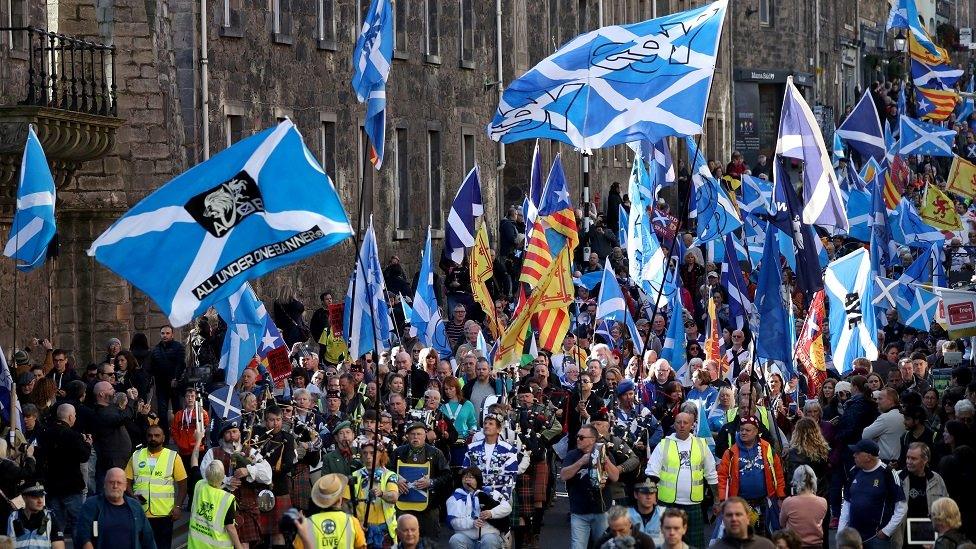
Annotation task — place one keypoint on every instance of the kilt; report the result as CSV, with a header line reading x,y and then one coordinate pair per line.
x,y
530,489
247,519
269,521
300,486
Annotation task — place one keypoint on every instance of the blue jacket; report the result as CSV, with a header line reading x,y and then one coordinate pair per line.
x,y
95,506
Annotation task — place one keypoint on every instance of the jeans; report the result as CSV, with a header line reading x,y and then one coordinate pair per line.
x,y
487,541
66,509
875,543
586,529
162,528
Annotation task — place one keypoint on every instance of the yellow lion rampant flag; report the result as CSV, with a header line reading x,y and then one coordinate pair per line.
x,y
962,177
939,211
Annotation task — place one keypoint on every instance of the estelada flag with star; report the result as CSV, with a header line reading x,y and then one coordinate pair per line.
x,y
939,211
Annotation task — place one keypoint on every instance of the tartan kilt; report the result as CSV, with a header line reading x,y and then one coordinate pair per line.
x,y
269,521
300,486
247,519
530,488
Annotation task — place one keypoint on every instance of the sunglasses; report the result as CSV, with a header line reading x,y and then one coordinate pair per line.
x,y
582,437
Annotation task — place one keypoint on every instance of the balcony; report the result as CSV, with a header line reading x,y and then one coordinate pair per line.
x,y
69,96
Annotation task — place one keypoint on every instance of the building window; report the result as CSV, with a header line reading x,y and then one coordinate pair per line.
x,y
434,180
766,14
554,35
520,27
234,128
282,21
468,151
467,33
17,16
401,10
403,222
327,138
432,30
325,25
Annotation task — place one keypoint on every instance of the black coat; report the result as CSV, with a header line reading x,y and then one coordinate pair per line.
x,y
167,361
61,450
113,446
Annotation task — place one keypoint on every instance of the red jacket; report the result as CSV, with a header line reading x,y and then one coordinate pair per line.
x,y
182,431
728,472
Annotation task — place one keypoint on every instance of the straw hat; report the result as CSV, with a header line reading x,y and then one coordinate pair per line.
x,y
328,490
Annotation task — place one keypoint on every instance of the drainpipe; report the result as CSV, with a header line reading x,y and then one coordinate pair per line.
x,y
204,83
498,65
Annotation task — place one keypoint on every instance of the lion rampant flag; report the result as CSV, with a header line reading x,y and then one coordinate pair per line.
x,y
939,211
481,270
962,177
810,348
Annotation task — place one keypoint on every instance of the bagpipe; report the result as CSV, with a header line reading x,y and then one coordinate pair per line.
x,y
487,503
529,425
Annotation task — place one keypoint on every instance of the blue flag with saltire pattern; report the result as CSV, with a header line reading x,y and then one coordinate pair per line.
x,y
425,316
371,67
261,204
849,285
618,84
463,216
366,316
716,214
613,306
245,316
862,129
33,226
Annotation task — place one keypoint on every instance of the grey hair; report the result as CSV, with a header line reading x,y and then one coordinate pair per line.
x,y
849,538
215,473
964,405
804,478
617,512
811,404
690,408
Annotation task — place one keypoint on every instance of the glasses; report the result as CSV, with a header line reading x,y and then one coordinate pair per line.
x,y
582,437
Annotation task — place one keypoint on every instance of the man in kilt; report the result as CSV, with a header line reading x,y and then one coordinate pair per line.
x,y
279,449
249,474
537,429
305,425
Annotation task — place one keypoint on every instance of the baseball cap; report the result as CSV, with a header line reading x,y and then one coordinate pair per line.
x,y
867,446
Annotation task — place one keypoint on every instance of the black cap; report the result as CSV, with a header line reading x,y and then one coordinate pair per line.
x,y
867,446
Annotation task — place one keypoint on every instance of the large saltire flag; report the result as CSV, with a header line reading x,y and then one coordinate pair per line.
x,y
939,77
938,210
801,248
425,316
245,316
371,67
800,139
922,310
849,283
810,348
757,195
919,137
466,209
481,270
907,227
366,318
33,227
618,84
259,205
715,212
862,129
740,306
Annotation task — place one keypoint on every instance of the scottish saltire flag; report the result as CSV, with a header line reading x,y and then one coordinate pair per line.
x,y
882,245
33,226
245,316
787,206
640,188
860,214
371,66
662,166
965,106
939,77
920,271
904,15
462,220
366,315
618,84
919,137
225,403
622,223
853,326
613,306
757,195
838,149
800,138
885,292
772,338
717,215
908,228
901,104
922,308
740,307
536,186
259,205
675,345
862,129
653,268
589,280
425,317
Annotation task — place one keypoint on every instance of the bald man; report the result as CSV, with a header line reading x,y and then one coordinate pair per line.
x,y
113,519
113,411
64,450
408,533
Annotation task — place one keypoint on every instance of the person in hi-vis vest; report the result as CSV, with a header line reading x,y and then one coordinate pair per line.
x,y
157,478
212,512
329,526
682,464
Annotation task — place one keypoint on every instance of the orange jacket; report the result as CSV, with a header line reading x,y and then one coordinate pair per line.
x,y
728,472
182,430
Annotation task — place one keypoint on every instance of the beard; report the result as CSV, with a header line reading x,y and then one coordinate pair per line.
x,y
231,447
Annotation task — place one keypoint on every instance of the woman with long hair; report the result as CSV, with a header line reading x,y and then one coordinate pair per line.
x,y
808,447
875,383
428,360
805,512
825,394
129,373
461,413
718,413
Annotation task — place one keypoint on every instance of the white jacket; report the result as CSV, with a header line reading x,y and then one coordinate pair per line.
x,y
887,431
463,508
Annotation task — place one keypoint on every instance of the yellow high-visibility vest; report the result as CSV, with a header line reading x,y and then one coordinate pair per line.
x,y
207,516
333,529
667,486
156,484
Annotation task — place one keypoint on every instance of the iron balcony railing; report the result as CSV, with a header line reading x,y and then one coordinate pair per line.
x,y
69,73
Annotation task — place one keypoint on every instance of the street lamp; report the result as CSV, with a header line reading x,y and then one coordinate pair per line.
x,y
901,41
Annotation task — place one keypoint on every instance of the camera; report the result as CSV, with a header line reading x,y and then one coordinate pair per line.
x,y
287,525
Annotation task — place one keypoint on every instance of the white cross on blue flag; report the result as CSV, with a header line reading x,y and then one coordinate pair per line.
x,y
245,316
33,227
256,206
366,315
371,65
618,84
463,217
862,129
853,325
919,137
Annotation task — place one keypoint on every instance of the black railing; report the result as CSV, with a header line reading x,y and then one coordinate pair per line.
x,y
69,73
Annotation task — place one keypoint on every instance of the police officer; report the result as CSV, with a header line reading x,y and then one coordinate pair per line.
x,y
330,526
34,526
212,512
157,479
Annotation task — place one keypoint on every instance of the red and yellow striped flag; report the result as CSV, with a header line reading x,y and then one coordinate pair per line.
x,y
810,346
512,342
943,102
552,316
538,256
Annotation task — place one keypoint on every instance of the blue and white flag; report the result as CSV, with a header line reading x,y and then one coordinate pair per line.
x,y
740,307
675,346
885,292
245,316
803,255
589,280
837,154
965,106
904,15
536,187
717,215
922,308
33,226
258,205
225,403
860,214
862,129
425,317
613,306
800,138
757,195
662,167
640,186
939,77
646,262
366,315
772,338
849,285
919,137
622,223
618,84
371,67
908,228
462,220
921,271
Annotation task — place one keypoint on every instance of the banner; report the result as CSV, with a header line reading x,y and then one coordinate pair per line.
x,y
957,312
335,317
939,211
962,177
